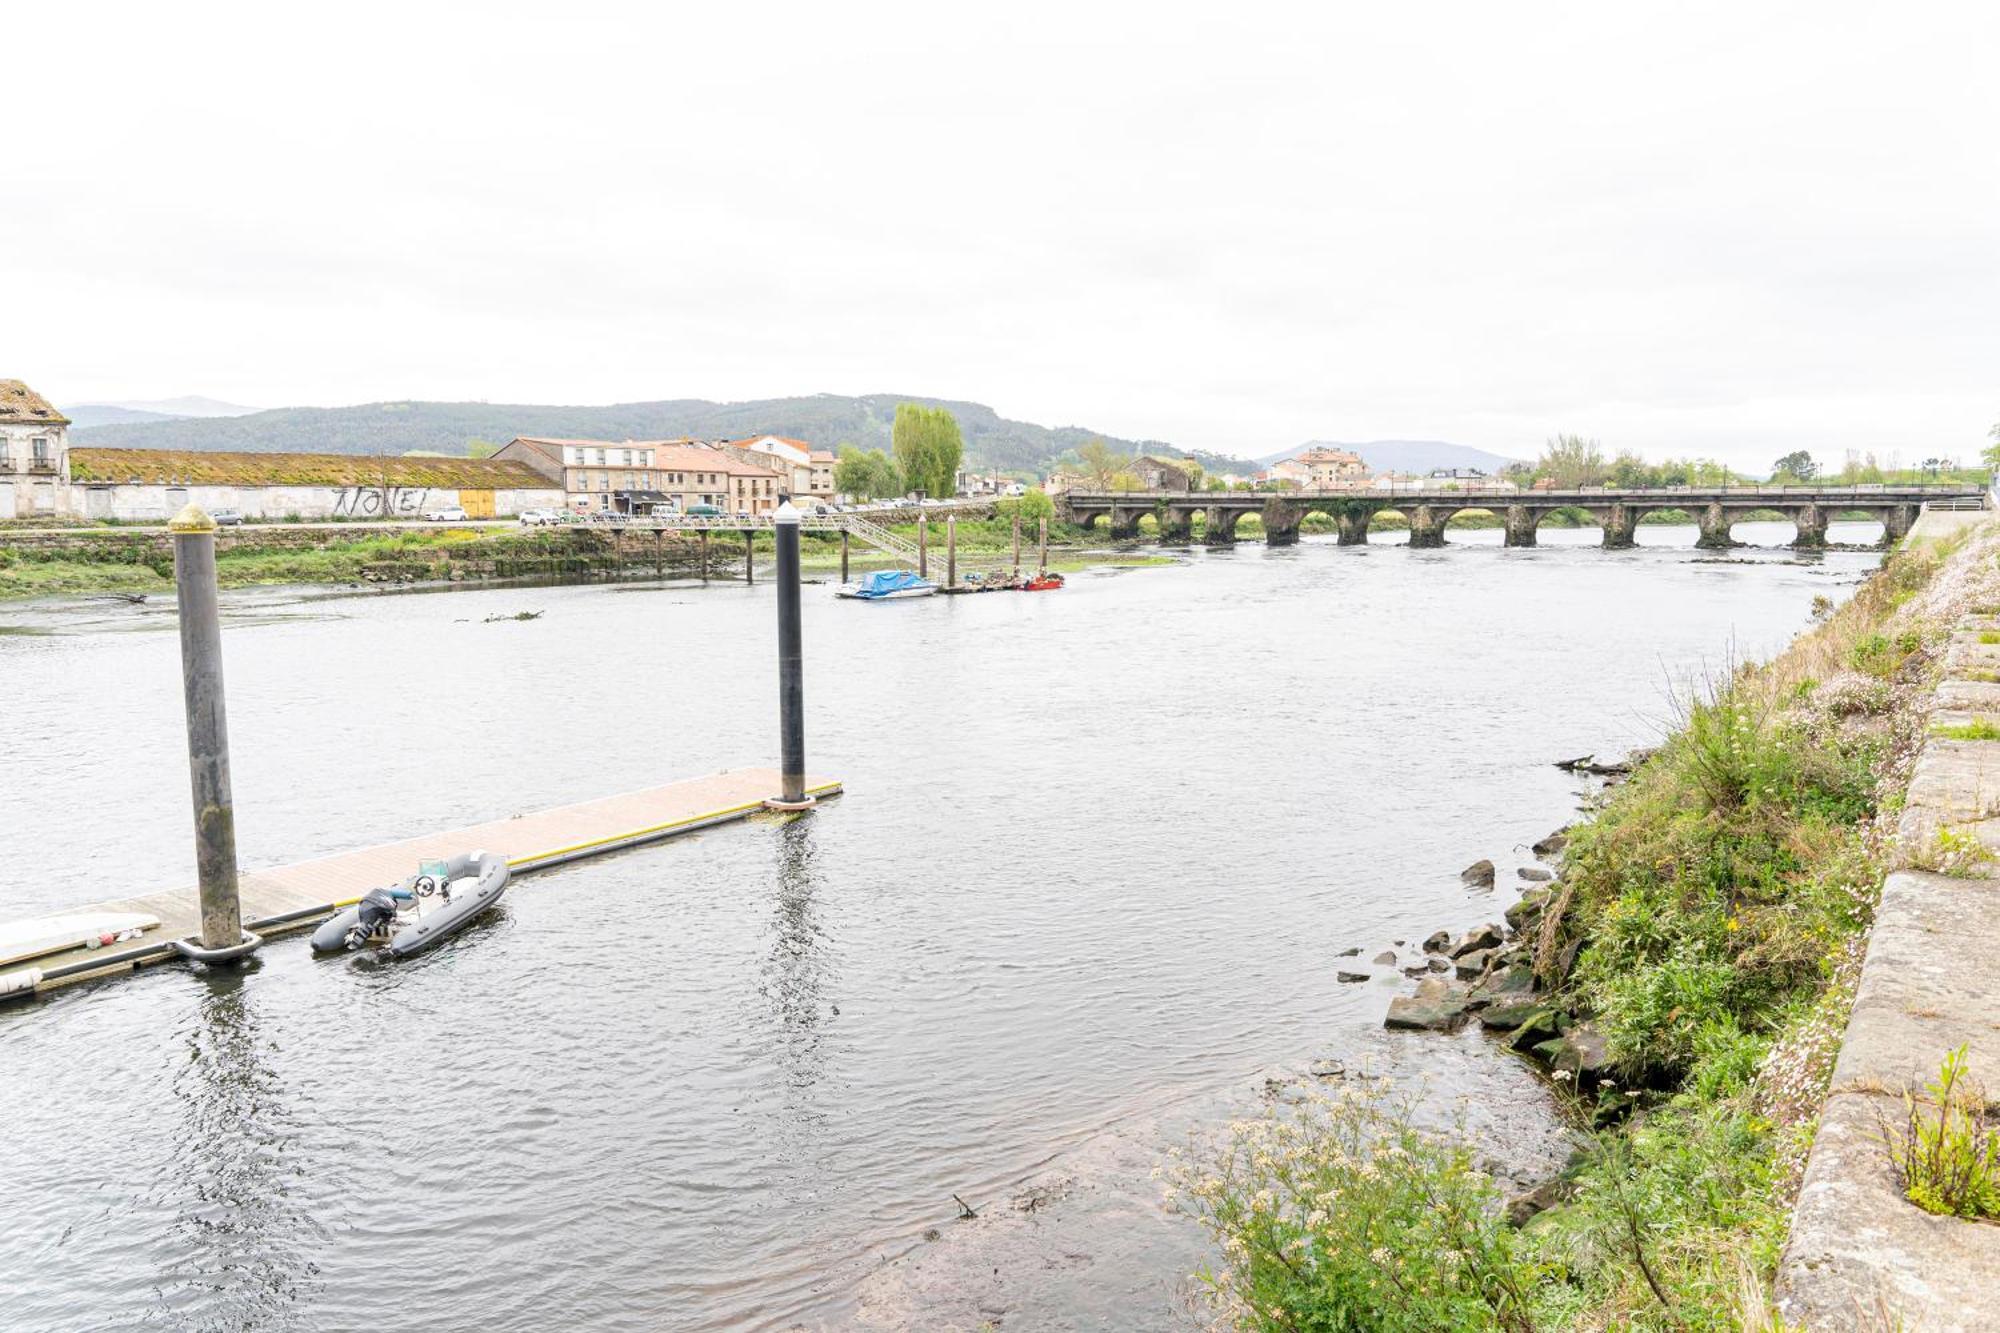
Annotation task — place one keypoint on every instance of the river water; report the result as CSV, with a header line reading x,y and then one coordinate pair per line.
x,y
1099,854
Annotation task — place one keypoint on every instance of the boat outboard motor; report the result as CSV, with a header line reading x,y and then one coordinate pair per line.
x,y
378,909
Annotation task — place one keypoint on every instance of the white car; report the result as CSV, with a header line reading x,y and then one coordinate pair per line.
x,y
538,518
445,514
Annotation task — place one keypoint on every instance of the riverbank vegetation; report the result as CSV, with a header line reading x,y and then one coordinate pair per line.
x,y
1693,966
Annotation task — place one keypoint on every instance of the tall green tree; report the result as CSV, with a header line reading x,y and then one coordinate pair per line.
x,y
1797,464
1101,463
1571,460
870,475
928,448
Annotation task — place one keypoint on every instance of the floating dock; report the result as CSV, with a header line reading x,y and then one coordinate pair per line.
x,y
286,898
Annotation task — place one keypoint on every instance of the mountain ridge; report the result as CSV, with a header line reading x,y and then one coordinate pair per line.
x,y
827,420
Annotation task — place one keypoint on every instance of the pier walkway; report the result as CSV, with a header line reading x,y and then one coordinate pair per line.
x,y
285,898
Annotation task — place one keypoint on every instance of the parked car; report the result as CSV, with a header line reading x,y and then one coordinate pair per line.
x,y
822,510
444,514
539,518
704,511
226,518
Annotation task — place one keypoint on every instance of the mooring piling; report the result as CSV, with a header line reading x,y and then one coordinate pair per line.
x,y
1017,543
703,534
207,731
951,550
1044,540
843,555
749,556
923,547
791,665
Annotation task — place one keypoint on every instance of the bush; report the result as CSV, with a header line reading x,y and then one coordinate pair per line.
x,y
1341,1214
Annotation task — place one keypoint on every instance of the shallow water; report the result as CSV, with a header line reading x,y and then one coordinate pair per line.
x,y
1099,852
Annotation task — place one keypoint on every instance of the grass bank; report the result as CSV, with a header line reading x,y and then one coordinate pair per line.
x,y
1686,981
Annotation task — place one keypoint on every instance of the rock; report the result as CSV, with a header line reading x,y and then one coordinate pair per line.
x,y
1525,1205
1510,1016
1488,936
1420,970
1440,964
1349,978
1438,942
1326,1067
1535,874
1544,1025
1505,984
1387,958
1349,953
1472,966
1397,943
1583,1053
1479,875
1438,1006
1552,844
1529,909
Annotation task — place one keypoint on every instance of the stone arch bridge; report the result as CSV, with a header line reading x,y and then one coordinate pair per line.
x,y
1714,509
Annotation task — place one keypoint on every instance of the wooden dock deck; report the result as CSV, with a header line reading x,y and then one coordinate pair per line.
x,y
284,898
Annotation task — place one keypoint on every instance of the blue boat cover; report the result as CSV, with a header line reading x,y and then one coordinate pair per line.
x,y
885,581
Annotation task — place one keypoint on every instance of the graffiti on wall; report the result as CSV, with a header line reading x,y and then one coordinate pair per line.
x,y
379,502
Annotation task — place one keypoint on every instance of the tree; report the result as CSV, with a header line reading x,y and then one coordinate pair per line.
x,y
1101,463
928,448
1571,461
870,476
1991,456
1029,506
1797,465
478,448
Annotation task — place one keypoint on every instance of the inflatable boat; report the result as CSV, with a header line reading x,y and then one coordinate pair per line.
x,y
426,909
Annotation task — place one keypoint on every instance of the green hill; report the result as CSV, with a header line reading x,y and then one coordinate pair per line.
x,y
827,420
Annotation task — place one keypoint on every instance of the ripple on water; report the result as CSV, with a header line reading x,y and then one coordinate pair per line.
x,y
1097,858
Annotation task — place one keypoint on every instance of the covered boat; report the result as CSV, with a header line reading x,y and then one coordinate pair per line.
x,y
888,584
429,907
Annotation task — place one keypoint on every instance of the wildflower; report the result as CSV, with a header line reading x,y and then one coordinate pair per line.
x,y
1562,1075
1379,1255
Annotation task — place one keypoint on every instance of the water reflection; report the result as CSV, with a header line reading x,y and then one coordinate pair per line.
x,y
242,1236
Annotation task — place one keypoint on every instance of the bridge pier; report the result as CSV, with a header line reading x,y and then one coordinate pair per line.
x,y
1426,527
1352,526
1176,526
1521,522
1621,527
1897,520
1221,526
1281,523
1714,528
1810,520
1125,524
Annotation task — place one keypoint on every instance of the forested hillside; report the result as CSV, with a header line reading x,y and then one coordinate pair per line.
x,y
828,420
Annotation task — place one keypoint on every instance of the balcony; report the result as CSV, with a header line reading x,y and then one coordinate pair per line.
x,y
44,465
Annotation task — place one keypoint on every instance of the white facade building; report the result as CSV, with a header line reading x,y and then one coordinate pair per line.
x,y
34,448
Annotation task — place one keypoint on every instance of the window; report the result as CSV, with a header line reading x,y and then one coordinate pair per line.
x,y
6,463
40,445
604,481
599,459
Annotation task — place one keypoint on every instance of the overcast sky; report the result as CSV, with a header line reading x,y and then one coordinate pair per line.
x,y
1726,229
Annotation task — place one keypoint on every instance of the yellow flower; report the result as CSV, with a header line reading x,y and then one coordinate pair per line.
x,y
1734,924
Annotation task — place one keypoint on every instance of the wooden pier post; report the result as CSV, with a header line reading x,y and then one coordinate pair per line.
x,y
791,665
1044,540
843,555
749,556
923,547
704,555
207,729
951,551
1017,543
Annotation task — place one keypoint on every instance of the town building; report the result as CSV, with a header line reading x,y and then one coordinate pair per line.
x,y
34,442
41,473
811,469
1162,474
155,484
637,476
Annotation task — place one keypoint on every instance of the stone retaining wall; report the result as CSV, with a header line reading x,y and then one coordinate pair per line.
x,y
1861,1256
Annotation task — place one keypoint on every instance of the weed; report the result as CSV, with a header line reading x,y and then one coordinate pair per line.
x,y
1977,730
1946,1155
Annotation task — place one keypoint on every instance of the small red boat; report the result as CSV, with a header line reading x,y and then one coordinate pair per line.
x,y
1043,582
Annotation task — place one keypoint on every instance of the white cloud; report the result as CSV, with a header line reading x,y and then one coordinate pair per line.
x,y
1716,229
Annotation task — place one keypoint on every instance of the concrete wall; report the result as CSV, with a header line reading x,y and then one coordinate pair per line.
x,y
158,503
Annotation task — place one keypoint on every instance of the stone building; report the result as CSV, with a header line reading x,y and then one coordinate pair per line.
x,y
155,484
34,444
638,475
1162,474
